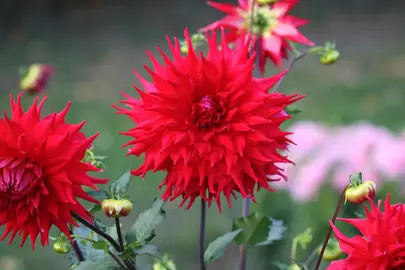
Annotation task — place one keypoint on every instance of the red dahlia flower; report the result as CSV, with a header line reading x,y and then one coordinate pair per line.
x,y
271,22
381,245
208,123
41,172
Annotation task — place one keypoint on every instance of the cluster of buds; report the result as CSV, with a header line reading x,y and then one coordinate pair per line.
x,y
96,161
116,208
358,191
196,39
35,78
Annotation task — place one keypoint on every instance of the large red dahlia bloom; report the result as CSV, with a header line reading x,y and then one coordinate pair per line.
x,y
208,123
271,22
381,245
41,172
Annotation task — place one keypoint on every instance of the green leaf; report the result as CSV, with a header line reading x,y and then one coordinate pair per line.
x,y
112,231
148,221
100,244
280,265
216,249
107,264
130,237
86,247
149,250
99,195
292,110
276,231
121,185
255,229
95,208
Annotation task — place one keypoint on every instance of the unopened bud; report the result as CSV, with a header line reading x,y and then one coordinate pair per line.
x,y
198,37
329,57
116,208
332,251
61,247
359,193
184,49
164,264
35,78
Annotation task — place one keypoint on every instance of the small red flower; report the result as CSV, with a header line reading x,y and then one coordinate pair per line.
x,y
41,172
35,78
206,121
271,22
381,244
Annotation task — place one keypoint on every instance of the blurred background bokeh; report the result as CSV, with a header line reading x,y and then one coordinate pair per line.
x,y
96,44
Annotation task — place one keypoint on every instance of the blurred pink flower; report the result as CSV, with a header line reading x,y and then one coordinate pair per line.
x,y
333,154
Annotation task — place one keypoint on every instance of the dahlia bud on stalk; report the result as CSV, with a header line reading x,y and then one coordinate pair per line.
x,y
358,191
164,264
61,247
196,39
332,251
96,161
116,208
329,54
35,78
329,57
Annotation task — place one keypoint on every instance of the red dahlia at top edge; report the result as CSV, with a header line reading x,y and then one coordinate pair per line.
x,y
205,121
271,22
41,172
381,243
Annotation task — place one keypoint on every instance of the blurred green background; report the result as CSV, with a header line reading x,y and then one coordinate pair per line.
x,y
95,46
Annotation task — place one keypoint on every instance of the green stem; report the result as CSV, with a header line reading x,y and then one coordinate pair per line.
x,y
325,242
118,261
293,251
289,67
119,233
98,231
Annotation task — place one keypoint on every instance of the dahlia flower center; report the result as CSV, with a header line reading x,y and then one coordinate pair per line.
x,y
206,112
18,177
263,20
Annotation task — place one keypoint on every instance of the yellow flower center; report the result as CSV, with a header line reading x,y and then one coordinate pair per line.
x,y
264,20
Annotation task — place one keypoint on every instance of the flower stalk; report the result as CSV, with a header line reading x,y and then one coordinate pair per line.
x,y
256,73
203,218
119,233
325,242
291,64
77,250
99,232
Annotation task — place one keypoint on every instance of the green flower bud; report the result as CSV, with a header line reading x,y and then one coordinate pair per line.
x,y
332,251
184,48
329,57
61,247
